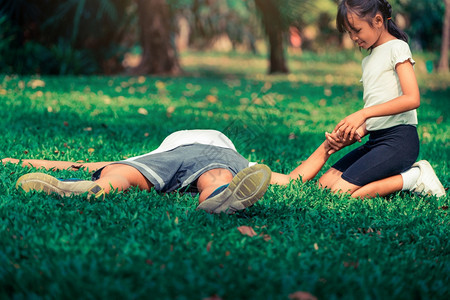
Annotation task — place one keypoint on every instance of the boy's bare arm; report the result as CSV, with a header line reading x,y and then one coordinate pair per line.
x,y
54,164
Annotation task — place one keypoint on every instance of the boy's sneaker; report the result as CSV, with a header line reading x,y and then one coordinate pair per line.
x,y
247,187
427,183
49,184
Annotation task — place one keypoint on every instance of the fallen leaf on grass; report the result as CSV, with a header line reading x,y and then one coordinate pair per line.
x,y
213,297
266,237
211,99
142,111
246,230
169,111
351,264
302,296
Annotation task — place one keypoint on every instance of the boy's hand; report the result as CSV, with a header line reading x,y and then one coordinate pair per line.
x,y
350,124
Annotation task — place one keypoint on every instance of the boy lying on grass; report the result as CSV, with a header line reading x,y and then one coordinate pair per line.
x,y
199,161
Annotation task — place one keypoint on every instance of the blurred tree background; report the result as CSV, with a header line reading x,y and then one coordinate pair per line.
x,y
95,36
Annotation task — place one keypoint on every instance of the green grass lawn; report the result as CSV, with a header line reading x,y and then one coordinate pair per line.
x,y
143,244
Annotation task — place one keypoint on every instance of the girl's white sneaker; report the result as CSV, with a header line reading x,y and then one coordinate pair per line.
x,y
427,183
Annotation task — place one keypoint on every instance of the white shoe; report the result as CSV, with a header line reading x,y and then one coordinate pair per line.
x,y
247,187
427,183
49,184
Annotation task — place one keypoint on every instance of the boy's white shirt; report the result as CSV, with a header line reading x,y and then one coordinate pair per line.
x,y
381,82
194,136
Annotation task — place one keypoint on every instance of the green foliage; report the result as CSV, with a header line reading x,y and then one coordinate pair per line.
x,y
293,11
143,244
425,21
65,37
36,34
34,58
6,39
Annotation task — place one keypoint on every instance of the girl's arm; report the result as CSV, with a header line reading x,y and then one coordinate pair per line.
x,y
408,101
306,170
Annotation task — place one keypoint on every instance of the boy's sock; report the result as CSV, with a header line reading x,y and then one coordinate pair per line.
x,y
218,190
410,177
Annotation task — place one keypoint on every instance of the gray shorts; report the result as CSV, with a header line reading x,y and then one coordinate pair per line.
x,y
180,168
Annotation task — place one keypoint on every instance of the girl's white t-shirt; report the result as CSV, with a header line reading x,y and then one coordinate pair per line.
x,y
381,82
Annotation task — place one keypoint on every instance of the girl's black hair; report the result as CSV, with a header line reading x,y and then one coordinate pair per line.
x,y
368,9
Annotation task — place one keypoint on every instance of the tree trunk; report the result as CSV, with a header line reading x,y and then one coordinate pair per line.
x,y
159,54
443,62
274,28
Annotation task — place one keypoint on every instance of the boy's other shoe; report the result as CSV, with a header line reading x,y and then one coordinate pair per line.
x,y
247,187
427,183
49,184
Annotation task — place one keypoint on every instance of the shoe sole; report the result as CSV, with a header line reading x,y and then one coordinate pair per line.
x,y
49,185
247,187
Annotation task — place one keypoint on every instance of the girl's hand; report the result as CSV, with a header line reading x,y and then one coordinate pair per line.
x,y
336,143
348,126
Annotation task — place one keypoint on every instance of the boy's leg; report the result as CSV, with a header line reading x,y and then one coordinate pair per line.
x,y
243,190
211,180
121,177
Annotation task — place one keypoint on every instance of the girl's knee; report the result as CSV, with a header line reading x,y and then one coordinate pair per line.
x,y
344,186
329,179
